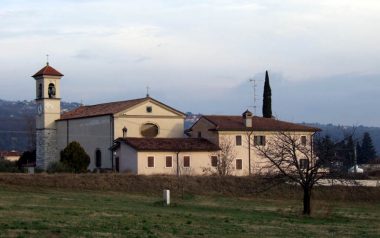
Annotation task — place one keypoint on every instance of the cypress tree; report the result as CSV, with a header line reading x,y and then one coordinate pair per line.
x,y
267,98
367,150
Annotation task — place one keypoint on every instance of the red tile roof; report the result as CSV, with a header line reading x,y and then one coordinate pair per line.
x,y
108,109
101,109
237,123
47,70
9,153
169,144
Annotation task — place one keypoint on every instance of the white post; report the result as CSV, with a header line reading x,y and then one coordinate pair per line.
x,y
30,170
166,197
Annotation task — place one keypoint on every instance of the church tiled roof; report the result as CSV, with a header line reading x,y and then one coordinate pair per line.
x,y
47,70
109,108
169,144
101,109
237,123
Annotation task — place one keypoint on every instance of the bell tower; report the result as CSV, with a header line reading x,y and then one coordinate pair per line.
x,y
48,101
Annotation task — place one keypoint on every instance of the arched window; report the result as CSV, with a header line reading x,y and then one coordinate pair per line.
x,y
149,130
39,91
51,90
98,158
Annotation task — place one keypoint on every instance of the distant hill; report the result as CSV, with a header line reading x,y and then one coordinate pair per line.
x,y
338,132
17,123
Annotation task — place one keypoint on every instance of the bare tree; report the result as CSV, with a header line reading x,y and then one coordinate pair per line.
x,y
290,158
223,159
183,172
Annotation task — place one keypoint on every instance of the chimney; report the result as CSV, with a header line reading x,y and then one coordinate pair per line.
x,y
247,116
125,130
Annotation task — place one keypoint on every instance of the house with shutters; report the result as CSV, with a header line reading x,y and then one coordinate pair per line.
x,y
146,136
243,133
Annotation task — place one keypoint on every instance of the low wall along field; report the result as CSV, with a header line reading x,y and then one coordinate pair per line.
x,y
201,185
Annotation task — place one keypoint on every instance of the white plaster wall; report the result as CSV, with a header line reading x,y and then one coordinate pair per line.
x,y
61,134
242,152
92,133
203,126
169,122
127,159
168,127
157,110
198,162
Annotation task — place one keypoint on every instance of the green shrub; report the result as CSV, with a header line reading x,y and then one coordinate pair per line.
x,y
28,157
58,167
8,166
74,157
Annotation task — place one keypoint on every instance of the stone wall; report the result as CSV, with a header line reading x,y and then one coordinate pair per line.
x,y
46,143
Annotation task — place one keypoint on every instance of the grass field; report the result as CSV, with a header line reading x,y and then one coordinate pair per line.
x,y
48,212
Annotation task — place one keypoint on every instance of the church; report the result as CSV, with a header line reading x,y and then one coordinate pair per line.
x,y
146,136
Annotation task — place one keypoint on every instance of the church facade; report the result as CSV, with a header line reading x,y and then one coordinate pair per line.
x,y
146,136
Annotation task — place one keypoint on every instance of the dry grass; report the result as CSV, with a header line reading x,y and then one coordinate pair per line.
x,y
202,185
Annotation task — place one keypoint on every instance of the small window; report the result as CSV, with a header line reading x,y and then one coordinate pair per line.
x,y
214,161
150,161
169,161
98,158
39,91
186,161
304,163
238,140
199,134
259,140
303,140
239,164
149,109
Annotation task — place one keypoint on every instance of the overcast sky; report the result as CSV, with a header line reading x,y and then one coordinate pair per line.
x,y
323,56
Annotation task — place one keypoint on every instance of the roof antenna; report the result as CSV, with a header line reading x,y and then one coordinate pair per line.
x,y
47,60
254,85
147,91
253,81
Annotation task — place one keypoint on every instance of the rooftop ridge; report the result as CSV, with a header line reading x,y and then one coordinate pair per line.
x,y
123,101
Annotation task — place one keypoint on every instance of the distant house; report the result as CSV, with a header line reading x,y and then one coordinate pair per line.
x,y
10,155
373,165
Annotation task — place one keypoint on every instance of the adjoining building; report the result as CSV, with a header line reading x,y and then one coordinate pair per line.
x,y
146,136
10,155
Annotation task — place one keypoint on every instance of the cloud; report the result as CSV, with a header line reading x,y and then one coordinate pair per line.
x,y
142,59
198,54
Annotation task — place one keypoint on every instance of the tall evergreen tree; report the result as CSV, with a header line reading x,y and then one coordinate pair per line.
x,y
267,98
367,150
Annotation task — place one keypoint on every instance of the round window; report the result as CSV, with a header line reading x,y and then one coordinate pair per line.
x,y
149,130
